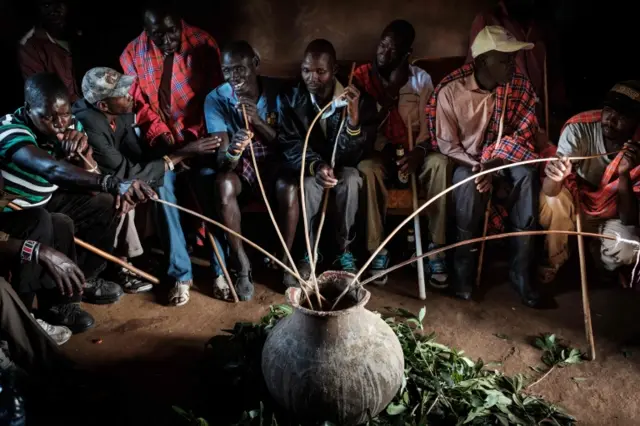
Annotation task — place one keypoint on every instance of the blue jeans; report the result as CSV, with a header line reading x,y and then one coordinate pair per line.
x,y
172,236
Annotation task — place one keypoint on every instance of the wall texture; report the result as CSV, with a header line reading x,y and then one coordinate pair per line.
x,y
280,29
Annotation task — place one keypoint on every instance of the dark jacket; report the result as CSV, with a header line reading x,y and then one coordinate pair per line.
x,y
118,151
296,112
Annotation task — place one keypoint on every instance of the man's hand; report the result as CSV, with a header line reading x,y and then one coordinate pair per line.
x,y
325,177
240,141
353,105
250,107
203,146
68,277
410,163
73,142
558,170
483,183
131,193
629,159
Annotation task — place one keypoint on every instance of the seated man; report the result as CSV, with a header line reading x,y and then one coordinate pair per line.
x,y
258,95
176,66
469,123
105,113
332,155
607,187
47,46
402,92
27,239
28,140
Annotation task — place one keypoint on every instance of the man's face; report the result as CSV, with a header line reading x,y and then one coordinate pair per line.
x,y
500,65
317,74
117,106
617,127
240,72
53,117
165,32
53,14
387,56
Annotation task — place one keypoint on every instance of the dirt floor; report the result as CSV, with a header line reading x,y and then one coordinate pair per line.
x,y
152,352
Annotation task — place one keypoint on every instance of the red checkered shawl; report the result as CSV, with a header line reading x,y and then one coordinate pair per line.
x,y
520,128
602,202
394,128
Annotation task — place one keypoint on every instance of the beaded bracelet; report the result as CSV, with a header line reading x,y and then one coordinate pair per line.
x,y
232,157
30,250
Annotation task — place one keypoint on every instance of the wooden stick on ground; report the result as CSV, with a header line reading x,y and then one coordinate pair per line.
x,y
485,229
270,211
105,255
586,308
216,252
325,199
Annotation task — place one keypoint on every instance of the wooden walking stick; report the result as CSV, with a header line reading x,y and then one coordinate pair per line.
x,y
416,221
586,308
105,255
216,252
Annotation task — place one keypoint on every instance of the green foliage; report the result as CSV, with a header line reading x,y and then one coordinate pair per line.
x,y
440,386
556,353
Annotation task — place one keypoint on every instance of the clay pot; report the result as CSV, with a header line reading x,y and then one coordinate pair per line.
x,y
342,366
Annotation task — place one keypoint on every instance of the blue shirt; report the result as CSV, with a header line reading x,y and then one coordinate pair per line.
x,y
221,115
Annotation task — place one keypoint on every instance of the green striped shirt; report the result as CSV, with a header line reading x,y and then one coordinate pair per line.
x,y
32,189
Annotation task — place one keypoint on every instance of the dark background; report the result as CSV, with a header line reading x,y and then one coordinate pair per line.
x,y
597,42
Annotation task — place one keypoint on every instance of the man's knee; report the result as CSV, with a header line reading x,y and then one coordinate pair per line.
x,y
287,193
351,178
103,201
62,223
226,186
370,168
618,253
558,210
437,162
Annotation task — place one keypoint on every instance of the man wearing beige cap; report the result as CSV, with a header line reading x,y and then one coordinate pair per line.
x,y
106,114
483,115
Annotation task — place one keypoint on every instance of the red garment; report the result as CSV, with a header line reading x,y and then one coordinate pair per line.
x,y
520,122
520,128
602,202
394,128
196,71
38,52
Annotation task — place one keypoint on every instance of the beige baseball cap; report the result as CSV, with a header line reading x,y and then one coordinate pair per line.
x,y
494,37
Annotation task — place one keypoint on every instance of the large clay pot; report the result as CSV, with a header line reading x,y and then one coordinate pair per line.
x,y
342,366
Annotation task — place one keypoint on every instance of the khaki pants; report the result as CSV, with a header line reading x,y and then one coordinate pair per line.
x,y
434,178
559,213
127,240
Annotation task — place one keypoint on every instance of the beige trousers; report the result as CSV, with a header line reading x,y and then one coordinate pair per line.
x,y
559,213
434,178
127,240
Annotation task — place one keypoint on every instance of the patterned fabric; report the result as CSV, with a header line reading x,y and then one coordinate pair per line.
x,y
196,71
394,129
602,202
520,123
520,128
15,133
221,115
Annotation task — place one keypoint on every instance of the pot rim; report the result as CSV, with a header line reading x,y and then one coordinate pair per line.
x,y
294,296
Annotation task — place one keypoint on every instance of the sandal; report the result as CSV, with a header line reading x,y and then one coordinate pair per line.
x,y
179,294
221,289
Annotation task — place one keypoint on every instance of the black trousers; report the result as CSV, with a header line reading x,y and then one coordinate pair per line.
x,y
94,221
54,230
523,207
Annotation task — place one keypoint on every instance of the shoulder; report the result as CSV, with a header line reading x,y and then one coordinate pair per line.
x,y
88,118
294,95
362,70
421,79
14,132
220,95
196,35
135,45
28,38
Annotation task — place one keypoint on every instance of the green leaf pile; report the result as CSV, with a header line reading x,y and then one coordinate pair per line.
x,y
440,387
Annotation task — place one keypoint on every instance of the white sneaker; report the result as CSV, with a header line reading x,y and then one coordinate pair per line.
x,y
221,290
59,333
